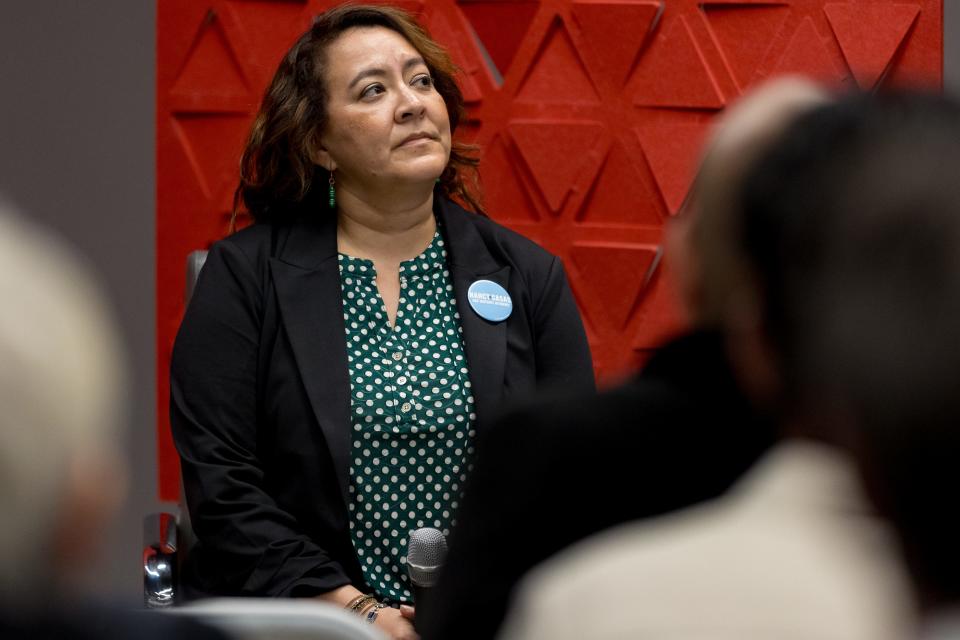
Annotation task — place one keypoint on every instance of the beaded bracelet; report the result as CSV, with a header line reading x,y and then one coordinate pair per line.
x,y
355,605
374,612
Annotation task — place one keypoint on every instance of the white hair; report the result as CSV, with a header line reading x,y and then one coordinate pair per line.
x,y
60,394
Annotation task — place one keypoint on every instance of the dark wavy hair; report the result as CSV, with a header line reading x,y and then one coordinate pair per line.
x,y
277,172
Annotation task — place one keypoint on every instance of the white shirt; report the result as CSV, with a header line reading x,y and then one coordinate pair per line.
x,y
791,552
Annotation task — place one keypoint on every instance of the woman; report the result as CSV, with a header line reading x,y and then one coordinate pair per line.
x,y
337,354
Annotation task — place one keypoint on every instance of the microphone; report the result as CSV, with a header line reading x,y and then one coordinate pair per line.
x,y
426,552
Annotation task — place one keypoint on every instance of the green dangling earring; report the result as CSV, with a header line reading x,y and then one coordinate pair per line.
x,y
333,192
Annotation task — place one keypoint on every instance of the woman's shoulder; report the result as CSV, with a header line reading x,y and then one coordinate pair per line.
x,y
249,239
254,244
504,242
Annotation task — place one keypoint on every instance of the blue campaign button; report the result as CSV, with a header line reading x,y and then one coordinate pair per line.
x,y
489,300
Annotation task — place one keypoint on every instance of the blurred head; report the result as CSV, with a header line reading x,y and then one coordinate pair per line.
x,y
705,238
60,393
853,223
346,98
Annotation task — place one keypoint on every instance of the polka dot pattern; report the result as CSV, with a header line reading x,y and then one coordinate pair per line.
x,y
412,412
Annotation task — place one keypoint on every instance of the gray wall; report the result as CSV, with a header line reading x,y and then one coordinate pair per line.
x,y
77,151
951,46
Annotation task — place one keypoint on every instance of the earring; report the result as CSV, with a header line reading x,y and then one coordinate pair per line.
x,y
333,192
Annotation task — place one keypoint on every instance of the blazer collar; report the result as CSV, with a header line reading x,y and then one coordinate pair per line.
x,y
485,342
311,239
307,280
465,246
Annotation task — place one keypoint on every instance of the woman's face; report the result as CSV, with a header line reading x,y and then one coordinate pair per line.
x,y
387,126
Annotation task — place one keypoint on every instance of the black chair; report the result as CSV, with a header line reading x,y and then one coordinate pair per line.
x,y
167,537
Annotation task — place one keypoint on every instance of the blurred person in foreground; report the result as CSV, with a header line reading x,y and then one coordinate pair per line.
x,y
61,474
871,335
339,356
678,433
794,549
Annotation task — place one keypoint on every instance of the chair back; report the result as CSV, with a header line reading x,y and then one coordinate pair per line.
x,y
195,262
167,538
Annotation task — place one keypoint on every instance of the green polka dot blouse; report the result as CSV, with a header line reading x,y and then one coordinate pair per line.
x,y
412,412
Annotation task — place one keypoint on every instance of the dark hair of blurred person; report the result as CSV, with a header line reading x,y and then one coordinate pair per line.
x,y
794,548
868,337
678,433
279,167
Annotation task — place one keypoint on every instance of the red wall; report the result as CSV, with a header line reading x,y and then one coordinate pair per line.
x,y
588,143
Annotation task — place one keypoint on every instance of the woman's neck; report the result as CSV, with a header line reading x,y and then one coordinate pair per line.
x,y
392,234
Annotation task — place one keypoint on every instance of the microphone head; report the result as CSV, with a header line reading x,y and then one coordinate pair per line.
x,y
426,551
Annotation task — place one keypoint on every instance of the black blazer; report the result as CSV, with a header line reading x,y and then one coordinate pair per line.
x,y
678,433
260,394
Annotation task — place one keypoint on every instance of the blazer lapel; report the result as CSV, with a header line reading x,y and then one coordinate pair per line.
x,y
485,341
307,279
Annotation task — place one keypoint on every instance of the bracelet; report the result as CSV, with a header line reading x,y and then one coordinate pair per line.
x,y
355,605
366,606
373,613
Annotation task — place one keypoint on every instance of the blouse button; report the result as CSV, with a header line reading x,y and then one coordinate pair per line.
x,y
398,355
402,380
405,407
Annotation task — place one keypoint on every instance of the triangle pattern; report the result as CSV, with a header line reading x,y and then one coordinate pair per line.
x,y
808,55
505,198
500,26
620,183
675,74
558,75
869,35
661,313
446,35
613,32
270,29
211,69
615,274
214,144
594,339
745,34
673,152
560,155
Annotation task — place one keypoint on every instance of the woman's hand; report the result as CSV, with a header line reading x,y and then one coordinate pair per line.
x,y
396,623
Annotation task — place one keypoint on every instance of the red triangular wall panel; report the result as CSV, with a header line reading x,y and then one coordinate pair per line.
x,y
588,114
870,35
676,73
626,23
728,24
